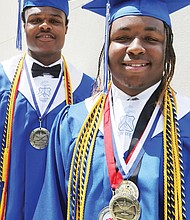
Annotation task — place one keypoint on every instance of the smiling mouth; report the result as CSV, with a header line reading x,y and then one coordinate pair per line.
x,y
45,36
136,64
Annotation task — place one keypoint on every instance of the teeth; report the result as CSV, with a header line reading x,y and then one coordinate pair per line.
x,y
137,65
46,36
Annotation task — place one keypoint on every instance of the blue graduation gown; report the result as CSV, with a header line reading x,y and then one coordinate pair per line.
x,y
52,204
27,166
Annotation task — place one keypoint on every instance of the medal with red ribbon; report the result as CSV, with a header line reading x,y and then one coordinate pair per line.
x,y
124,203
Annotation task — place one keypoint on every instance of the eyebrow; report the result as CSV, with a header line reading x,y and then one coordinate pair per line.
x,y
39,14
153,29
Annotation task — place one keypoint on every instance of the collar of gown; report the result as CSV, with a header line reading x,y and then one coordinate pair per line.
x,y
183,107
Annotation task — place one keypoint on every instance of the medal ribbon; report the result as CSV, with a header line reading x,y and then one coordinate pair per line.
x,y
126,168
7,135
41,117
115,177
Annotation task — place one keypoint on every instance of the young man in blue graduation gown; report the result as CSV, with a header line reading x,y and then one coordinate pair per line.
x,y
30,100
126,156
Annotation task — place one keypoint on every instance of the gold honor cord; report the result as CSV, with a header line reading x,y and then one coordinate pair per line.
x,y
67,83
81,161
174,205
7,133
7,137
173,170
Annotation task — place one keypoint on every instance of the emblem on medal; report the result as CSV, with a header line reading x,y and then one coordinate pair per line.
x,y
39,138
124,205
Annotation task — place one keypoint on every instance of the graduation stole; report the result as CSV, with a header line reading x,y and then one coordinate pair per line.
x,y
174,204
7,133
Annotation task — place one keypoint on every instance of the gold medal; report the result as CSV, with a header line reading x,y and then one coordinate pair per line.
x,y
128,187
39,138
124,205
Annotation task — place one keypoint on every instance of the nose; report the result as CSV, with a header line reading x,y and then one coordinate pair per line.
x,y
135,47
45,25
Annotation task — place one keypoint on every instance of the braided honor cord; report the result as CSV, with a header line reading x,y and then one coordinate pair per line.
x,y
174,204
7,137
67,83
81,161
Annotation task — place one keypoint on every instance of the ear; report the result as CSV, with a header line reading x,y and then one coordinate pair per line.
x,y
24,26
66,29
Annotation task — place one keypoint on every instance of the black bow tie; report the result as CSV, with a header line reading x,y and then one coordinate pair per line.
x,y
38,70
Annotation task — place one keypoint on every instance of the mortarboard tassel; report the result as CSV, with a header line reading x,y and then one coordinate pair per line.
x,y
106,71
19,27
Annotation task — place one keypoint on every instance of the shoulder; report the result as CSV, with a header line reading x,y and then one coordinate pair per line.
x,y
183,112
7,72
183,105
13,61
78,75
70,119
73,116
82,84
9,66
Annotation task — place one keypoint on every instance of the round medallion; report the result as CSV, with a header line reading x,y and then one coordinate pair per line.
x,y
128,187
39,138
105,214
124,207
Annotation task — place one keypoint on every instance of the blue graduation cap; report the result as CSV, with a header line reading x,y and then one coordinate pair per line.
x,y
160,9
113,9
59,4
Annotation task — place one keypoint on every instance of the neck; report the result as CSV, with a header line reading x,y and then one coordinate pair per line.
x,y
45,59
